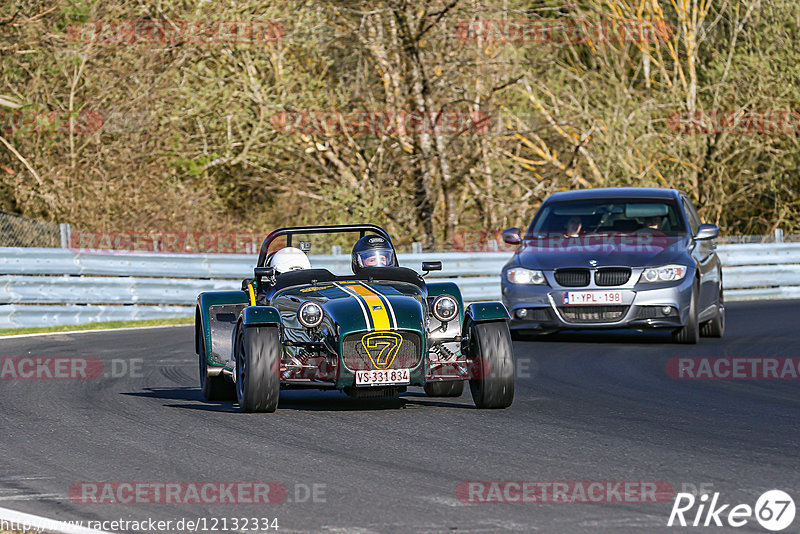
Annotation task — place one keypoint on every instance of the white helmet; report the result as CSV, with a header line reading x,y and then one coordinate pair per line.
x,y
289,259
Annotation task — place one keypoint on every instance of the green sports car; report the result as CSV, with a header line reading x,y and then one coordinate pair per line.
x,y
370,334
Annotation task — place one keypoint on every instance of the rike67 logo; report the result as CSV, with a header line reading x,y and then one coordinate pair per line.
x,y
774,510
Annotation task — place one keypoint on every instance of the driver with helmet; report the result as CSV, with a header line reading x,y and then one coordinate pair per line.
x,y
289,259
373,251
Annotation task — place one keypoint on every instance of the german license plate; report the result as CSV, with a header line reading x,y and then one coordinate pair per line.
x,y
592,297
383,377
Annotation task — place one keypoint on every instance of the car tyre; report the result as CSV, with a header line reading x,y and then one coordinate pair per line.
x,y
452,388
258,356
689,334
213,388
716,326
492,354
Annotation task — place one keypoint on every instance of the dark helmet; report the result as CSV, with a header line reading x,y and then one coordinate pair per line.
x,y
373,251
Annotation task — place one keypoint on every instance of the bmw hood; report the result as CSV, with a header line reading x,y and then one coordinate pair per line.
x,y
602,251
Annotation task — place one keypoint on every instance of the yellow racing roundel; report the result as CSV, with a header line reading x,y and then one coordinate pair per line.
x,y
382,347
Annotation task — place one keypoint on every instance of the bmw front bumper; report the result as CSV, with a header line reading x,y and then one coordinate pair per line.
x,y
643,306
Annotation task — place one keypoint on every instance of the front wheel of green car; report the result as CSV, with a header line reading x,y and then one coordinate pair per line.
x,y
258,357
492,355
213,387
444,389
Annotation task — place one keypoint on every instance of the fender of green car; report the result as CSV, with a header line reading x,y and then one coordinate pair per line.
x,y
448,288
487,311
260,316
229,301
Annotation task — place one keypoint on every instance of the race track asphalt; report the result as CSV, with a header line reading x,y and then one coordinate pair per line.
x,y
588,407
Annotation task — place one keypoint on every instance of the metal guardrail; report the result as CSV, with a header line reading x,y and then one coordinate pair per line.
x,y
43,286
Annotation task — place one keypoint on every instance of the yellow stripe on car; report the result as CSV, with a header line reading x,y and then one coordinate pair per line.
x,y
380,316
252,294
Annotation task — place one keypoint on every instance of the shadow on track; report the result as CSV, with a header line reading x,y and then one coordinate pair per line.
x,y
313,401
185,394
599,336
334,401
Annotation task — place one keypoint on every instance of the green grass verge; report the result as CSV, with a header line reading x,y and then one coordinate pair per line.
x,y
96,326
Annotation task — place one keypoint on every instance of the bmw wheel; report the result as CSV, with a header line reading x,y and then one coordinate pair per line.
x,y
689,334
716,326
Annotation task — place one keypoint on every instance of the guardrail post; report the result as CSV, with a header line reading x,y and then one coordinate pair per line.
x,y
778,235
65,234
416,247
336,250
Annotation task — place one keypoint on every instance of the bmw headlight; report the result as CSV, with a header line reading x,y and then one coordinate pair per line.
x,y
665,273
310,314
521,275
444,308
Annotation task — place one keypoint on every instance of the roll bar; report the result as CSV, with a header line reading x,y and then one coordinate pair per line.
x,y
289,231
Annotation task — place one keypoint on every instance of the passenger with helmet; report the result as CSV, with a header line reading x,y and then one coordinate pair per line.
x,y
373,251
289,259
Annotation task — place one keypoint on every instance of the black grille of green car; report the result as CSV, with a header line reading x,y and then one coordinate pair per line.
x,y
612,276
408,354
592,314
572,277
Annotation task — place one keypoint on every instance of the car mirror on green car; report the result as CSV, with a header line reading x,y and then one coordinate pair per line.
x,y
429,266
264,272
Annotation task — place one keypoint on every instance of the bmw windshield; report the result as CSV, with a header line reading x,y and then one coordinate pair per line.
x,y
578,218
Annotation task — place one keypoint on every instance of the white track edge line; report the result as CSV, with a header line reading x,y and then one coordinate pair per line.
x,y
44,524
17,336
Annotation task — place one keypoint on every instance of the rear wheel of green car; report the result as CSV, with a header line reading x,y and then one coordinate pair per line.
x,y
444,389
492,355
217,387
258,357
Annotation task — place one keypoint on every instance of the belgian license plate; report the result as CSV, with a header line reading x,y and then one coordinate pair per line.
x,y
592,297
383,377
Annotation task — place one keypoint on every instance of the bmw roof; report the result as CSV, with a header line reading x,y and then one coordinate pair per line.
x,y
616,192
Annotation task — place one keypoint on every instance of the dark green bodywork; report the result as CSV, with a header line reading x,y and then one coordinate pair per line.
x,y
260,316
219,313
487,311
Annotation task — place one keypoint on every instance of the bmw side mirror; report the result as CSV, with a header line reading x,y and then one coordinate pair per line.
x,y
264,272
511,236
707,231
429,266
